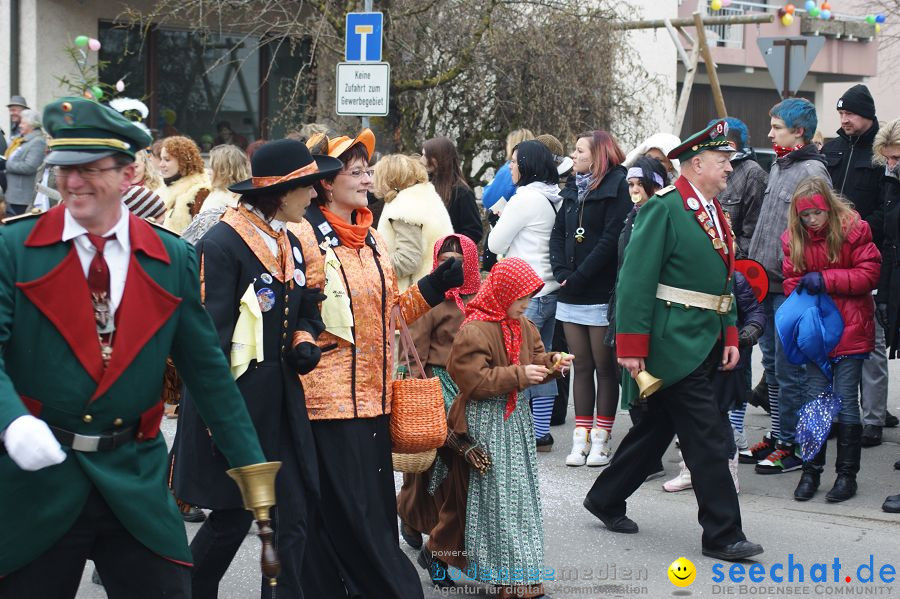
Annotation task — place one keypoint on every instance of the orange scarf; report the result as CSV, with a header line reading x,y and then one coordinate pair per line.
x,y
242,220
352,235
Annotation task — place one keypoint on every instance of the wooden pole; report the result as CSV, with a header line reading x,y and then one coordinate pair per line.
x,y
660,23
690,73
710,66
678,46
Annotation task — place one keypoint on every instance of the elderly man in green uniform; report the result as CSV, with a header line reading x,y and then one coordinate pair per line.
x,y
675,318
92,300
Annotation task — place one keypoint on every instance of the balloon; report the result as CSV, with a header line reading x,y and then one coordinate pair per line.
x,y
120,86
814,11
781,12
715,5
825,15
810,4
726,2
879,19
789,9
877,28
870,19
98,93
825,6
787,20
93,45
81,41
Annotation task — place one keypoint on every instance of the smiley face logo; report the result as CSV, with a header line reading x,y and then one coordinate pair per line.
x,y
682,572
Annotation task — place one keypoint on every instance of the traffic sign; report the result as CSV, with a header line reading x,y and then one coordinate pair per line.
x,y
789,59
363,88
363,36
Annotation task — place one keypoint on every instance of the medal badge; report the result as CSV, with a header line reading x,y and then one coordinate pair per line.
x,y
693,204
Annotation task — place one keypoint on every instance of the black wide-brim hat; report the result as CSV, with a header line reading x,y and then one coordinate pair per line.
x,y
280,166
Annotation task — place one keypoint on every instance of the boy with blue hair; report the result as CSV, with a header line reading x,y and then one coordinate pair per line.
x,y
793,124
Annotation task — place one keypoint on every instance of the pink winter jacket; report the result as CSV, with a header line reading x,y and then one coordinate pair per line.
x,y
849,282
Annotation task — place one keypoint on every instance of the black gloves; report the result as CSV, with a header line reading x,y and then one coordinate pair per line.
x,y
749,335
881,315
303,357
441,280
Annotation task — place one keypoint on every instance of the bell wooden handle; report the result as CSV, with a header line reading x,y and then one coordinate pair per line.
x,y
268,559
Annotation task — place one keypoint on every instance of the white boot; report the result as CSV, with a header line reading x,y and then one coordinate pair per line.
x,y
682,482
733,467
580,447
600,451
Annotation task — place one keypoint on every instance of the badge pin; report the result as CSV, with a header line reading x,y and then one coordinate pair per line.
x,y
693,204
266,278
299,278
718,244
298,255
334,241
266,299
325,228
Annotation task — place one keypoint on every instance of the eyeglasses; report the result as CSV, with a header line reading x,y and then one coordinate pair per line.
x,y
358,172
88,173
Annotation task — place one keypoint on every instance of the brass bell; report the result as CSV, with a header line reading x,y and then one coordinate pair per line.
x,y
647,384
257,485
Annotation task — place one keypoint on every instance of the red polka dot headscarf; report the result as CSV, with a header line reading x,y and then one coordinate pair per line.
x,y
510,279
471,276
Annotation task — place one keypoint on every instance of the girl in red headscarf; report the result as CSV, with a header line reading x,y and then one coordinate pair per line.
x,y
497,354
828,249
422,494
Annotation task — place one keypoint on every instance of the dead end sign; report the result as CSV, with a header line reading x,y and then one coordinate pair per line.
x,y
363,88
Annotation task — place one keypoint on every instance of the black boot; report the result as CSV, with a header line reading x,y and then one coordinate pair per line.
x,y
847,463
760,395
809,480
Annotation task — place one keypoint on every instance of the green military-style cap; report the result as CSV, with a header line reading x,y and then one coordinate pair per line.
x,y
83,131
713,137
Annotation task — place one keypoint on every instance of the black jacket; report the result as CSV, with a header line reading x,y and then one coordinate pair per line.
x,y
271,388
889,283
589,268
464,214
854,176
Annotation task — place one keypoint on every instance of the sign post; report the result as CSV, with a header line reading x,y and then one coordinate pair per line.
x,y
363,82
789,60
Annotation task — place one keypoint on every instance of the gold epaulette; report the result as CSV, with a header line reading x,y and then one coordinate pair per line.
x,y
665,190
31,214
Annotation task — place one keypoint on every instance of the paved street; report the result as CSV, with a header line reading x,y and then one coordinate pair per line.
x,y
597,563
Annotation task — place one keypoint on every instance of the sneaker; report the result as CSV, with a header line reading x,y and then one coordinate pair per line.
x,y
740,440
733,468
682,482
783,459
600,451
757,452
890,421
581,446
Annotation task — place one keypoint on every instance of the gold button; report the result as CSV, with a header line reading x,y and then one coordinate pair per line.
x,y
286,311
139,435
118,422
285,299
88,418
282,349
285,323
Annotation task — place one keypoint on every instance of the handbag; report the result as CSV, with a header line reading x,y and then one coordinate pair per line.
x,y
418,417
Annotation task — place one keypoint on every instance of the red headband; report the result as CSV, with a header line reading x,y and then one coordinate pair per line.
x,y
816,202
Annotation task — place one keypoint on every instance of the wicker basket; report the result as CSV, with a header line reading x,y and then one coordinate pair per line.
x,y
418,416
413,463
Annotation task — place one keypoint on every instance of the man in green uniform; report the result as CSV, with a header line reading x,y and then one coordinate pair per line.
x,y
92,300
675,318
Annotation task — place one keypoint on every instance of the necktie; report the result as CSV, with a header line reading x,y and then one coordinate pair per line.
x,y
99,286
711,210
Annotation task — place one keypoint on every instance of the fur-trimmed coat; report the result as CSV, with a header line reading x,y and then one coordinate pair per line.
x,y
411,248
180,197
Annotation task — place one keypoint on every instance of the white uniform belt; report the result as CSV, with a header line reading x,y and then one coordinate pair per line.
x,y
695,299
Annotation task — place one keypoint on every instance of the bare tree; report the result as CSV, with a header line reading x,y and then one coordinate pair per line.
x,y
468,69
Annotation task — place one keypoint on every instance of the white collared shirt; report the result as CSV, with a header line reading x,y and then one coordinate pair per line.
x,y
710,207
117,252
277,225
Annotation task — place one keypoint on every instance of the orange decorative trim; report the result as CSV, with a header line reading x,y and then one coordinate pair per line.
x,y
309,169
301,337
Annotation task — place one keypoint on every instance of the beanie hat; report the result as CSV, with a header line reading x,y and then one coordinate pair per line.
x,y
859,101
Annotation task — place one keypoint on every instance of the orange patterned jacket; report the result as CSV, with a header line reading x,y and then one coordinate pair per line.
x,y
354,381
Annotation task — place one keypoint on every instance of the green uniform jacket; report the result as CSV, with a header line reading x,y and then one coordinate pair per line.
x,y
51,367
670,245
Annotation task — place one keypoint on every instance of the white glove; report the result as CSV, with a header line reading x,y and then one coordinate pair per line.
x,y
31,445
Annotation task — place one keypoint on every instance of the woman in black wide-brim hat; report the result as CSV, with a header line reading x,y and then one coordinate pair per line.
x,y
253,284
